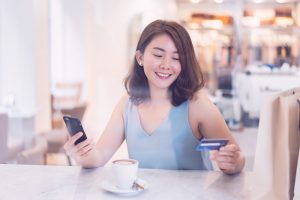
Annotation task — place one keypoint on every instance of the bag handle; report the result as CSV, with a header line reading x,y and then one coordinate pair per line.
x,y
298,100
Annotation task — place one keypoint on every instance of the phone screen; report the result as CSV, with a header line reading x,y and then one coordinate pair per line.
x,y
74,126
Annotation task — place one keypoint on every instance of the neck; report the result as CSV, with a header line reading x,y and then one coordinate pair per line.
x,y
160,96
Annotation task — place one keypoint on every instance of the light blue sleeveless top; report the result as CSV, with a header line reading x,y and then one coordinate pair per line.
x,y
171,146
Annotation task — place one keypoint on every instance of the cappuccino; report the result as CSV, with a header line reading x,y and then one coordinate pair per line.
x,y
124,162
124,172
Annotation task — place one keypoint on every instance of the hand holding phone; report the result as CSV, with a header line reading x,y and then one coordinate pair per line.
x,y
211,144
74,126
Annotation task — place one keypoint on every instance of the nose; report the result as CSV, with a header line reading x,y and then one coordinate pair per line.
x,y
165,63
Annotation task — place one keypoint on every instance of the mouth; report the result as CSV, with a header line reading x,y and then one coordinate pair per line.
x,y
163,75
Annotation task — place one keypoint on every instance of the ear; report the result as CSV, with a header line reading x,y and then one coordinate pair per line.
x,y
139,57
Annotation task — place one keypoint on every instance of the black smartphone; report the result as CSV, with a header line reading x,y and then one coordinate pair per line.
x,y
74,126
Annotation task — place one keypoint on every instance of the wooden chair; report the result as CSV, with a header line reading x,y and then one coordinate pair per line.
x,y
65,96
36,155
66,100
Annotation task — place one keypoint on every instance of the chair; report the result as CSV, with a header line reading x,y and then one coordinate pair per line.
x,y
56,138
77,111
3,132
9,148
64,96
35,154
65,100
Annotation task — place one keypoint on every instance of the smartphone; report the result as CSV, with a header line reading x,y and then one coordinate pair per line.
x,y
74,126
211,144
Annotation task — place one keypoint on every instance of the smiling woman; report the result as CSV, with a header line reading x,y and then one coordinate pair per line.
x,y
172,49
165,113
160,62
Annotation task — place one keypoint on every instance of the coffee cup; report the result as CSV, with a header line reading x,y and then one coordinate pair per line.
x,y
125,172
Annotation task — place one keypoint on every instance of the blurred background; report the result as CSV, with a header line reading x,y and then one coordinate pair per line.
x,y
69,57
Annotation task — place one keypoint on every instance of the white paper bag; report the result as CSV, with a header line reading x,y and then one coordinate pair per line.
x,y
277,147
297,182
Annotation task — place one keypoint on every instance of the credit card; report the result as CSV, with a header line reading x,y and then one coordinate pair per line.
x,y
211,144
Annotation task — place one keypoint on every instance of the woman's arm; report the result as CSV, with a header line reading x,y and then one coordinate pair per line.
x,y
211,124
91,155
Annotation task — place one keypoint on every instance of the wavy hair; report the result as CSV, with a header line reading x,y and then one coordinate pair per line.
x,y
190,79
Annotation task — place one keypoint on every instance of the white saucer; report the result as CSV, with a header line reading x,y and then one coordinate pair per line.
x,y
111,187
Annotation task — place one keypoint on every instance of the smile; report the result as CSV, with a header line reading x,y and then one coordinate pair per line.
x,y
162,75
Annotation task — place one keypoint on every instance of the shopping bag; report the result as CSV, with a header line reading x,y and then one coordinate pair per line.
x,y
277,147
297,182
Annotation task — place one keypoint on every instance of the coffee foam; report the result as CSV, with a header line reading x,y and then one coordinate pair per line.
x,y
124,162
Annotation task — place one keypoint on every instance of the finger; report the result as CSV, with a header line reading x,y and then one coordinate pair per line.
x,y
212,155
229,147
227,153
213,152
75,137
86,153
85,150
226,159
70,143
83,144
79,146
226,166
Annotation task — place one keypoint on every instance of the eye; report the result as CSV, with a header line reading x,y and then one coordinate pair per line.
x,y
176,59
158,56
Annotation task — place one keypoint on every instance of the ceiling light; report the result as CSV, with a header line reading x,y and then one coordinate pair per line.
x,y
195,1
281,1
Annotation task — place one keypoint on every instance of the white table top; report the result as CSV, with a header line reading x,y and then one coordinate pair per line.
x,y
73,182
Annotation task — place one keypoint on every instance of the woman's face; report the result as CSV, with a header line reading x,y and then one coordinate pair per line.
x,y
161,62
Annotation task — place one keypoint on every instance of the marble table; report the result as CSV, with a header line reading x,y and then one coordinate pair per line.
x,y
72,182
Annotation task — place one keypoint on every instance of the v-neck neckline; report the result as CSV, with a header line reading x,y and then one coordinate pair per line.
x,y
158,127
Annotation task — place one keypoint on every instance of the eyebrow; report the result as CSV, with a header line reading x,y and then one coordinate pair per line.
x,y
161,49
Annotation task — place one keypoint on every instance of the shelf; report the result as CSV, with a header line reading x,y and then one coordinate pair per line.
x,y
271,27
228,30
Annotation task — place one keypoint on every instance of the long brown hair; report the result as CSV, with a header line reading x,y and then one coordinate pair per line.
x,y
190,79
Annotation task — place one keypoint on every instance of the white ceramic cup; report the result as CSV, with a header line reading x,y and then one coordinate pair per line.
x,y
125,172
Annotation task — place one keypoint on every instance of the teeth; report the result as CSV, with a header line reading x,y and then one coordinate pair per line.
x,y
163,75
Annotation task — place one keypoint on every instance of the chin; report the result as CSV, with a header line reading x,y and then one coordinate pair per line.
x,y
164,86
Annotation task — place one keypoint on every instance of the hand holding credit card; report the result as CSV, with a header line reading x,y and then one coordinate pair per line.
x,y
211,144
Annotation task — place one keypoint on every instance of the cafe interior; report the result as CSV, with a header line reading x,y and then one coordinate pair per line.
x,y
70,58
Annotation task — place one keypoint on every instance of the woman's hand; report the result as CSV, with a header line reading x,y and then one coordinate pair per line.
x,y
229,159
80,151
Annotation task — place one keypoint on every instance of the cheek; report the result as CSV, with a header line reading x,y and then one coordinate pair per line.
x,y
177,69
150,63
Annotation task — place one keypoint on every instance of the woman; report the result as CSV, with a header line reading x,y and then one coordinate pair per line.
x,y
165,112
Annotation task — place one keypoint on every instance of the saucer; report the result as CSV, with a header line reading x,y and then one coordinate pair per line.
x,y
111,187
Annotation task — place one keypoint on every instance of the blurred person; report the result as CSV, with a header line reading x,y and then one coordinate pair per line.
x,y
165,113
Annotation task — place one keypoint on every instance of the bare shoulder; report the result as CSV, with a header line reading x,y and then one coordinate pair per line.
x,y
122,103
201,105
124,99
200,100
